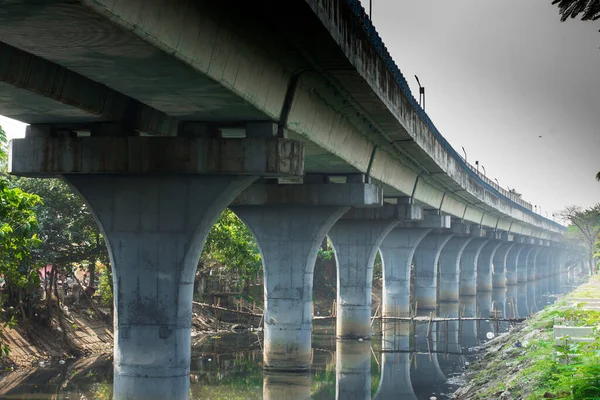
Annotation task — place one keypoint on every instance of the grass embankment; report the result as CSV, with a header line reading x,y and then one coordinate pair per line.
x,y
528,364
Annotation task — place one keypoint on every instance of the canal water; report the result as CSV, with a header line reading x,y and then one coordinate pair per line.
x,y
402,360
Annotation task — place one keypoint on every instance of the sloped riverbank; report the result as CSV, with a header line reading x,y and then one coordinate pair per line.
x,y
544,357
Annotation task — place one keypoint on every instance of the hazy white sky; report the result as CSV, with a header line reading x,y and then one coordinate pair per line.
x,y
498,74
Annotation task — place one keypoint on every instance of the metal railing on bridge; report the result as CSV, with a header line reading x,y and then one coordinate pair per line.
x,y
377,42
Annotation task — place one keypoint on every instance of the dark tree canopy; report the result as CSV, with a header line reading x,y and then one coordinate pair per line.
x,y
588,9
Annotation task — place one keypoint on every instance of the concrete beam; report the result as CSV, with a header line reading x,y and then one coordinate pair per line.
x,y
64,96
333,194
46,156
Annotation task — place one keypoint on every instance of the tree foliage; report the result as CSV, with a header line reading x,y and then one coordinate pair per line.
x,y
18,226
67,229
588,9
585,228
231,246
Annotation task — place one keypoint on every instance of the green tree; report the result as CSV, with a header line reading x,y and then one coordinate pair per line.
x,y
585,228
588,9
230,245
18,226
67,229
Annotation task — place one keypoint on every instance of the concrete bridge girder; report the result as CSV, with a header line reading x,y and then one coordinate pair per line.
x,y
193,50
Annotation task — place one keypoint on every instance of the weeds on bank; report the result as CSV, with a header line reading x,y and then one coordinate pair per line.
x,y
570,371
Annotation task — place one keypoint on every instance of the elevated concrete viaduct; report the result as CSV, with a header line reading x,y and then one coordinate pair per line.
x,y
161,114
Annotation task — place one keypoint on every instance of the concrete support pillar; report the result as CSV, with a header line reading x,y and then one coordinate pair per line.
x,y
468,266
395,362
356,243
531,263
499,264
288,238
512,262
397,250
523,263
155,228
484,266
289,223
426,269
449,262
353,370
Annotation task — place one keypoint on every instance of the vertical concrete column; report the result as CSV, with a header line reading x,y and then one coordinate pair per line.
x,y
397,250
356,243
449,262
353,370
499,264
523,263
395,362
468,266
512,261
484,265
154,228
426,269
531,263
288,237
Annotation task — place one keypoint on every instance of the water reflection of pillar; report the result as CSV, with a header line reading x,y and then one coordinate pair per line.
x,y
353,370
531,297
426,376
510,307
542,298
484,306
468,329
286,386
448,342
501,308
395,363
522,301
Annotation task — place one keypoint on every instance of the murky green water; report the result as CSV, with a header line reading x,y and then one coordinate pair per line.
x,y
402,360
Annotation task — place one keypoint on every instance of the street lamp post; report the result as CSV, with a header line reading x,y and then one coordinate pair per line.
x,y
464,151
483,168
421,93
